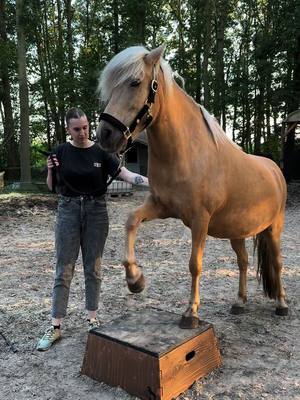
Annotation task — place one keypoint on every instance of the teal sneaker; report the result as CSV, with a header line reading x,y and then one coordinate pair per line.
x,y
51,335
93,323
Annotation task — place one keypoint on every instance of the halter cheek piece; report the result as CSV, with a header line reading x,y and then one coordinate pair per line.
x,y
146,109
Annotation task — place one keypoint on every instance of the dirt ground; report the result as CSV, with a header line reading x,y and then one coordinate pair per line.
x,y
260,351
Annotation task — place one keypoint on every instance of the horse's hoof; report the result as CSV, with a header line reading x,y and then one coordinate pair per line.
x,y
137,286
189,322
237,309
282,311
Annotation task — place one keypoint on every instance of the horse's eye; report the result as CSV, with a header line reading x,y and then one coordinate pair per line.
x,y
136,82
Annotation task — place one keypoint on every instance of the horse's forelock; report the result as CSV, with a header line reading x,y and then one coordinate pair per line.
x,y
128,64
124,65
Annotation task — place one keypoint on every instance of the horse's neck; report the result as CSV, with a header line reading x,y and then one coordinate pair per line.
x,y
179,129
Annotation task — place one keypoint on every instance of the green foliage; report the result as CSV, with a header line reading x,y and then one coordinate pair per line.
x,y
38,160
236,56
271,148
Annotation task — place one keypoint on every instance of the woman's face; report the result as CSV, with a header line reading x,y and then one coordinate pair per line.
x,y
78,128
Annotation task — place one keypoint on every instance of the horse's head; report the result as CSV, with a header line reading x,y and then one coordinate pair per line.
x,y
128,85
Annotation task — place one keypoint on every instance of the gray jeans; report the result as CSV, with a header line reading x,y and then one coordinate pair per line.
x,y
82,222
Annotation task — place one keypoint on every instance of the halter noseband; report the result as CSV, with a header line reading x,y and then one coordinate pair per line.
x,y
146,109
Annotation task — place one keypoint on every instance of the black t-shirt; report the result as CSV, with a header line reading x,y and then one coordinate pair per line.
x,y
83,171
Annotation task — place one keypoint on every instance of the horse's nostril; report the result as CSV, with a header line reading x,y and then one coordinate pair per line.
x,y
106,132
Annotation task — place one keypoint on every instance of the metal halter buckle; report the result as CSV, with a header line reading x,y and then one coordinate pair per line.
x,y
154,85
127,134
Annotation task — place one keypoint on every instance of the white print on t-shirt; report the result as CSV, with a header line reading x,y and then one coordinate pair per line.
x,y
97,164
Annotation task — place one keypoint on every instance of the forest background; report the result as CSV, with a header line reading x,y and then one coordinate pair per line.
x,y
240,59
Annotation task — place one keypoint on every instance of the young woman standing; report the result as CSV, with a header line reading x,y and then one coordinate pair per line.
x,y
82,220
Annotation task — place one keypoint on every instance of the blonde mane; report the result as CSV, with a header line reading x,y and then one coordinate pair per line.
x,y
219,136
129,65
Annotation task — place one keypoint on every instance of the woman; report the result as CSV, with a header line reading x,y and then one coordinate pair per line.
x,y
82,220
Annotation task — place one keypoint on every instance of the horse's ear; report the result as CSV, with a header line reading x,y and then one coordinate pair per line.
x,y
154,56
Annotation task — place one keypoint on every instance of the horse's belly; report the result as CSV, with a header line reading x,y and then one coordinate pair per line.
x,y
238,223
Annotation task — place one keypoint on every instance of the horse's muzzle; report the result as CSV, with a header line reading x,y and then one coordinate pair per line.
x,y
109,138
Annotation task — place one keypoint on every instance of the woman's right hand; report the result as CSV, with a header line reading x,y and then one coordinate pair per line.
x,y
52,161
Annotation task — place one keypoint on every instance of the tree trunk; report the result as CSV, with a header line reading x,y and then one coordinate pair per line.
x,y
71,78
60,75
259,116
207,40
50,75
116,26
196,12
295,100
140,20
219,92
44,80
10,146
236,92
176,7
87,23
246,79
24,99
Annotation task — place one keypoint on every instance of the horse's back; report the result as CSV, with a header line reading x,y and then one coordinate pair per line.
x,y
273,174
249,176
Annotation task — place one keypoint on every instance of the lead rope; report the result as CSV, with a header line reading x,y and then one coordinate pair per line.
x,y
121,164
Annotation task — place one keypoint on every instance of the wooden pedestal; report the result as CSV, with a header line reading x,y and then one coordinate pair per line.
x,y
149,356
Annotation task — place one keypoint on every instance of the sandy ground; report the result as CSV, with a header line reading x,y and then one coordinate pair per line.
x,y
260,351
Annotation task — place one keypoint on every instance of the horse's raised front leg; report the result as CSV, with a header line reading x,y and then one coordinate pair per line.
x,y
238,245
190,318
148,211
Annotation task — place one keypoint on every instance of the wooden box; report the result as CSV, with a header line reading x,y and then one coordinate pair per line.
x,y
149,356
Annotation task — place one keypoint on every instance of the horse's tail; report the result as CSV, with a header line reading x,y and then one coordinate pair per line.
x,y
266,262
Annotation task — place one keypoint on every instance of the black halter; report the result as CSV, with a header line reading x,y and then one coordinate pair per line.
x,y
146,109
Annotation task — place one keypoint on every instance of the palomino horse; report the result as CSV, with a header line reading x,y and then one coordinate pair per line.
x,y
196,174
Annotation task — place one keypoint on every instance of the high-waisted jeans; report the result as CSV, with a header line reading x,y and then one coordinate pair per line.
x,y
82,222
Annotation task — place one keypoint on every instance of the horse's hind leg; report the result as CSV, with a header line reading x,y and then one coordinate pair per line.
x,y
148,211
238,245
